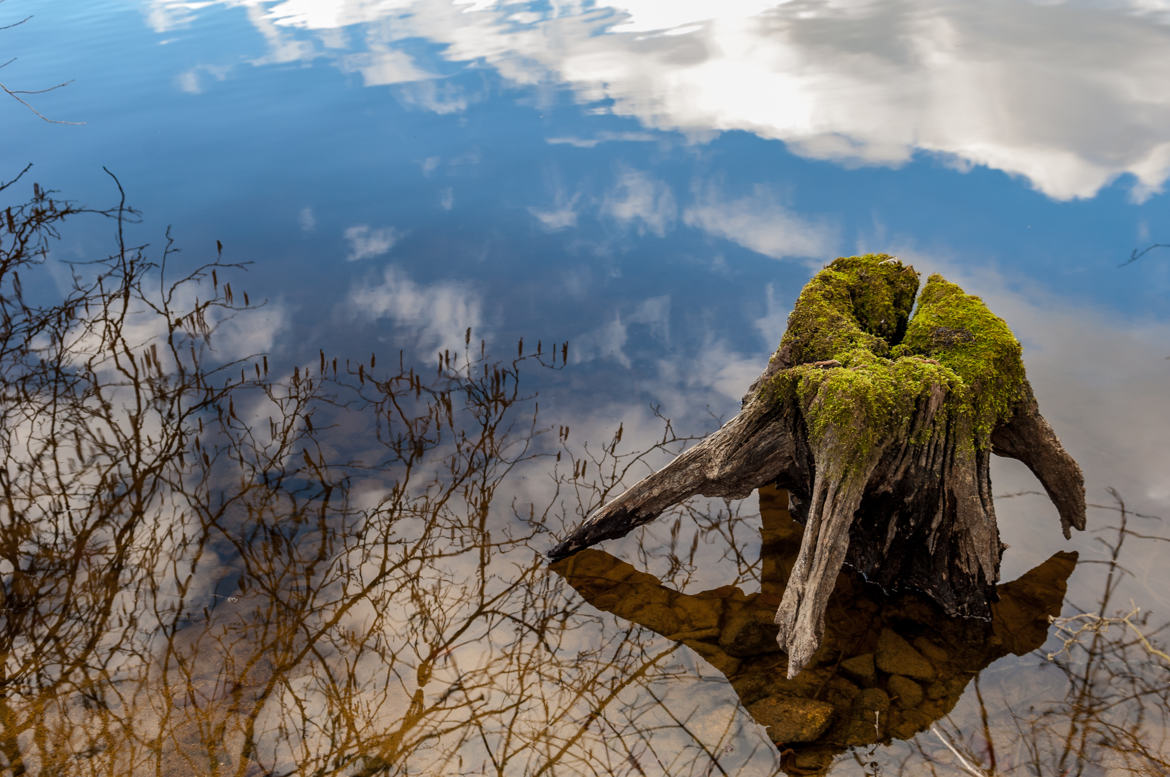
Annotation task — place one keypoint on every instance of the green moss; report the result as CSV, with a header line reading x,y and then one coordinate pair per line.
x,y
855,312
958,331
855,302
852,409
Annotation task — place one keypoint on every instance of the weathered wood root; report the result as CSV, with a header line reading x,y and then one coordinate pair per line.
x,y
745,453
1028,438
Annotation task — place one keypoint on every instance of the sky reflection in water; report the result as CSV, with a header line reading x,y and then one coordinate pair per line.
x,y
653,185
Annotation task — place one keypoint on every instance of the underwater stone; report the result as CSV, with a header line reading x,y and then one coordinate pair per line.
x,y
873,699
657,616
932,651
699,614
896,656
744,634
792,719
860,668
907,692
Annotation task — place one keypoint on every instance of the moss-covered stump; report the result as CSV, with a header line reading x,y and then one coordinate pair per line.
x,y
881,425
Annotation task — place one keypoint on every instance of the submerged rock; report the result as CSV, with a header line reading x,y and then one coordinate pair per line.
x,y
744,633
792,719
860,668
906,691
896,656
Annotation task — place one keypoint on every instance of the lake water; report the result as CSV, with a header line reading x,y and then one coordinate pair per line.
x,y
353,580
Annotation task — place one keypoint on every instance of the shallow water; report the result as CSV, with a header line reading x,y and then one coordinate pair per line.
x,y
353,580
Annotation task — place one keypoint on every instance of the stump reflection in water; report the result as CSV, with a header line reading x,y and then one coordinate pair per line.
x,y
888,667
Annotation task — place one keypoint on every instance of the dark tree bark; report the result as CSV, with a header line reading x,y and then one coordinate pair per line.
x,y
881,427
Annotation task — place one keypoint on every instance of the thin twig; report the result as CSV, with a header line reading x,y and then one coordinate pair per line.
x,y
968,767
16,95
1136,254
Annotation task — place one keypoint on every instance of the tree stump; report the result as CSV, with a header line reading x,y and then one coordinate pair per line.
x,y
880,425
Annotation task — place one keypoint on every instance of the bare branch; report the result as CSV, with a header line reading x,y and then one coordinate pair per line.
x,y
1138,254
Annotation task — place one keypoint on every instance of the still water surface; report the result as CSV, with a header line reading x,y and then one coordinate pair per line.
x,y
338,568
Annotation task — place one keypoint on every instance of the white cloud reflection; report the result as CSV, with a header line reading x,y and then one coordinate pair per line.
x,y
608,341
306,219
602,137
435,315
386,66
195,80
760,222
366,242
1068,95
642,202
562,215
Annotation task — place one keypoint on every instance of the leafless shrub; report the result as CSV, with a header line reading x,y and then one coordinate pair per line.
x,y
214,565
1105,709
